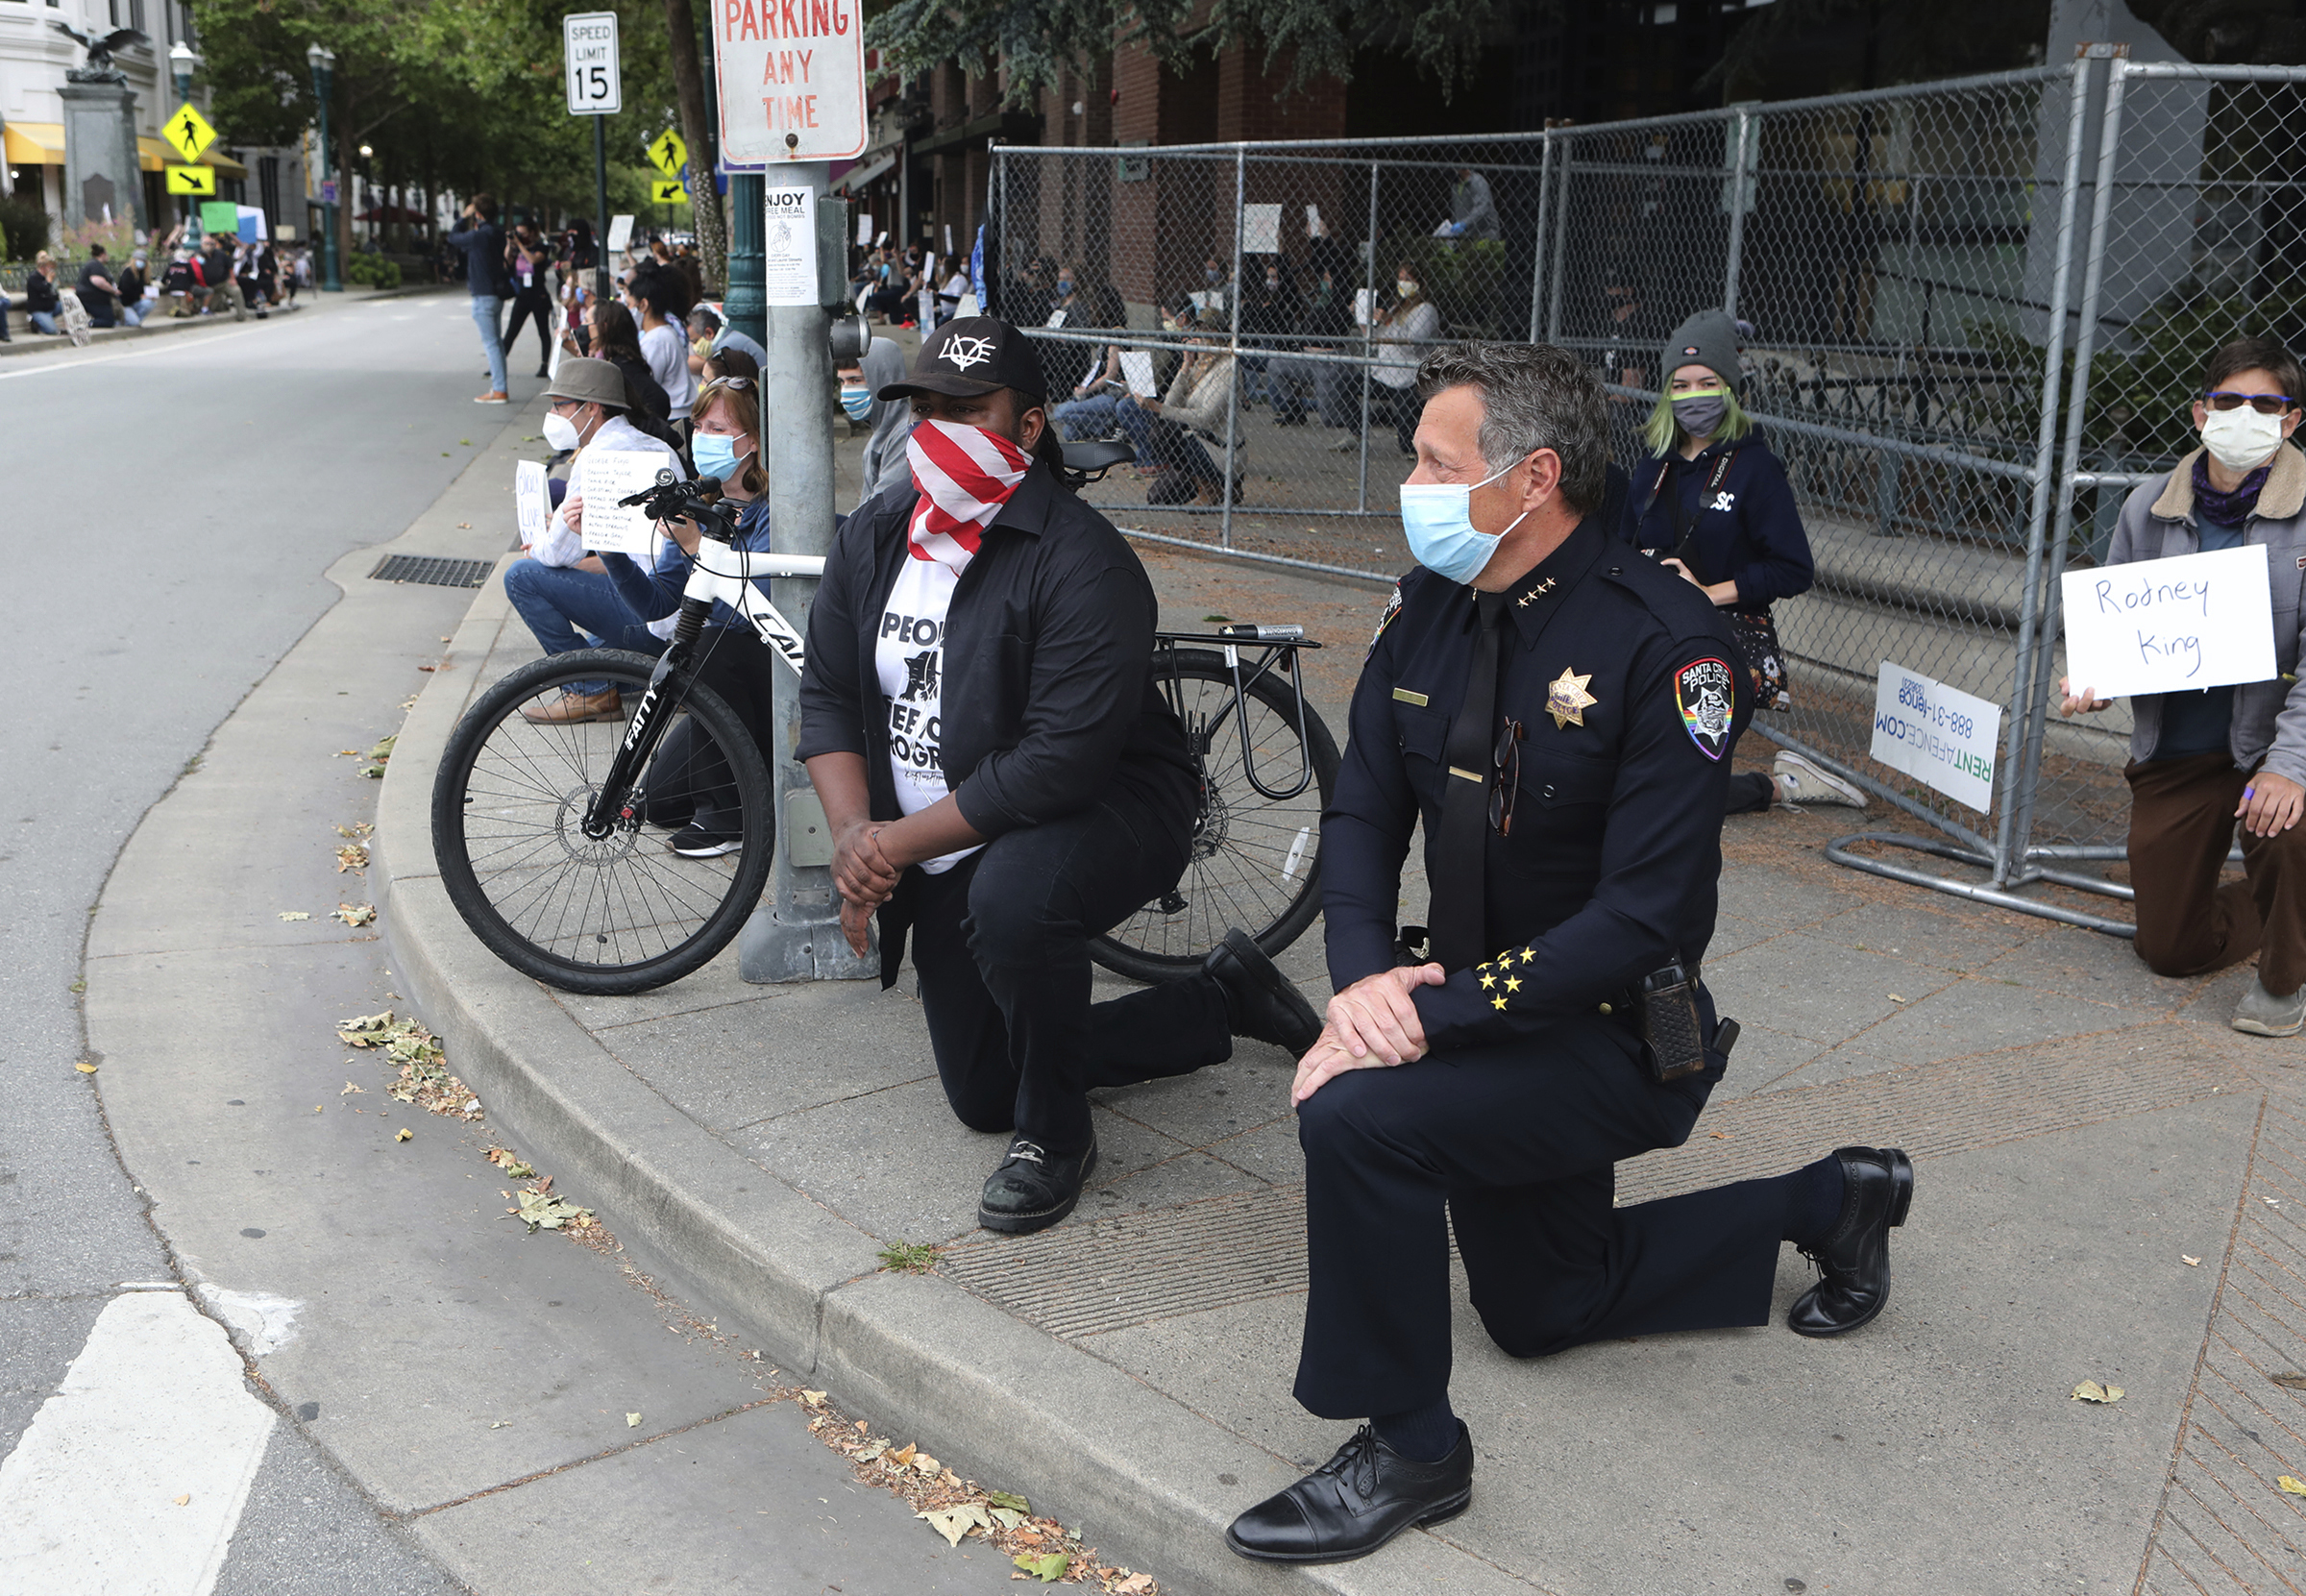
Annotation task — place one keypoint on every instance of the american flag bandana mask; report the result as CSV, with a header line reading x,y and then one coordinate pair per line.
x,y
965,475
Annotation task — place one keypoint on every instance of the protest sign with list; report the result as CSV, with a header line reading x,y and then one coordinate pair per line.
x,y
2189,622
609,475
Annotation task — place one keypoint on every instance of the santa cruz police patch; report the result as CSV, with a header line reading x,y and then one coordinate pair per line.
x,y
1392,608
1703,691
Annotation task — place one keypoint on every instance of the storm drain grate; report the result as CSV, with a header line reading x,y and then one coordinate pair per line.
x,y
432,570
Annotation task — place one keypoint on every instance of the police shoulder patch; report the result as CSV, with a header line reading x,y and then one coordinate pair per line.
x,y
1705,693
1392,608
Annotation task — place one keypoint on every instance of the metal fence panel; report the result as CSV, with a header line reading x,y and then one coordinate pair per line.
x,y
1977,311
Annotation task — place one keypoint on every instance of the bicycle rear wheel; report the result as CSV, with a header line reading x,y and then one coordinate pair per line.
x,y
1256,862
615,915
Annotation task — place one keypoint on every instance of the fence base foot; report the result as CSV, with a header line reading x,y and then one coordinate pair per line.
x,y
1838,850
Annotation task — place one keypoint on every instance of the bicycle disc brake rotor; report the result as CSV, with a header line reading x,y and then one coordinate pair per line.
x,y
568,824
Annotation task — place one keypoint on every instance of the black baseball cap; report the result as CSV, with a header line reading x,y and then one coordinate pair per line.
x,y
970,356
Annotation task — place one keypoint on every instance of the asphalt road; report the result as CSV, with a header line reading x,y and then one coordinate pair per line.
x,y
439,1402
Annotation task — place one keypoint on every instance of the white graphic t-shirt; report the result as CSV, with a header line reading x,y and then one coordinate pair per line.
x,y
909,658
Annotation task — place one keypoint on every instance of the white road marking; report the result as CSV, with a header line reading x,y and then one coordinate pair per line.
x,y
130,1480
169,346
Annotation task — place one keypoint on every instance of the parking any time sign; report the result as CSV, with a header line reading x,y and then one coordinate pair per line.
x,y
792,79
595,77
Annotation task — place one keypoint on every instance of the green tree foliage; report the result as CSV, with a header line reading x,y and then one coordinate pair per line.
x,y
1035,39
461,95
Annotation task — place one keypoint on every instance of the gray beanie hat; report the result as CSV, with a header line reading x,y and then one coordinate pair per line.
x,y
1707,339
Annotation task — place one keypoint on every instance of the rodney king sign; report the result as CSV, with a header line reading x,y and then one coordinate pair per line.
x,y
792,79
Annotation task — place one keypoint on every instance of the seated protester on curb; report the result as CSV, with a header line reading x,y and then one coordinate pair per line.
x,y
1712,504
690,785
566,595
98,293
1004,780
41,304
212,268
1173,428
885,465
723,335
2199,761
1558,715
133,282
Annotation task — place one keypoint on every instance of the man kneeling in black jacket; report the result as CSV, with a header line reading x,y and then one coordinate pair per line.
x,y
1004,779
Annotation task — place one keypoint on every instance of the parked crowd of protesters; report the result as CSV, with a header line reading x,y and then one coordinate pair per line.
x,y
211,274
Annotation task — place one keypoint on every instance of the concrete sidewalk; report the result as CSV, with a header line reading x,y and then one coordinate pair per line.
x,y
2083,1130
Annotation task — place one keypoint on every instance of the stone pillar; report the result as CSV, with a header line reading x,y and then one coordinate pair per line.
x,y
99,154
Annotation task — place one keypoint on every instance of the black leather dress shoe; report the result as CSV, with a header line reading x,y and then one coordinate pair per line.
x,y
1853,1258
1260,1000
1355,1503
1033,1188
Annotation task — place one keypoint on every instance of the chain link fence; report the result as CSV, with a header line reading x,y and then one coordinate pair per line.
x,y
1976,311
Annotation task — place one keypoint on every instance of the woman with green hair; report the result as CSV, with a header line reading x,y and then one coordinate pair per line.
x,y
1711,502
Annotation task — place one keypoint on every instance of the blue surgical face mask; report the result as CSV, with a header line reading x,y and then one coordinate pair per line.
x,y
1438,517
715,456
857,403
1210,272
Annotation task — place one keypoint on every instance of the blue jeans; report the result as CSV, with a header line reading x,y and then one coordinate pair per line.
x,y
133,315
41,321
1136,427
1078,419
488,315
569,609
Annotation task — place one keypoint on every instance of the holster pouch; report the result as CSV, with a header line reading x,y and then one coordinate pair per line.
x,y
1413,945
1674,1044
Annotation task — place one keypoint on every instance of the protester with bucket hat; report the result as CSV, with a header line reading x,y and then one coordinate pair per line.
x,y
1004,779
1711,502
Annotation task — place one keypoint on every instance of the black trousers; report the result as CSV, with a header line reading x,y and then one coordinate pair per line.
x,y
534,302
1515,1146
1000,942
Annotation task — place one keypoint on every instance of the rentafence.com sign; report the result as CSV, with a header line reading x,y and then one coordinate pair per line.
x,y
2169,625
1936,734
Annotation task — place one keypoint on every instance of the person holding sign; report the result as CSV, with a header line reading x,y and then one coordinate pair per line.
x,y
1712,504
2202,759
561,590
1004,779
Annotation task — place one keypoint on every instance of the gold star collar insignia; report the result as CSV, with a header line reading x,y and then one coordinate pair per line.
x,y
1497,1002
1488,980
1566,699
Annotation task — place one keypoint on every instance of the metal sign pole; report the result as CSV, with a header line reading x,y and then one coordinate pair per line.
x,y
600,209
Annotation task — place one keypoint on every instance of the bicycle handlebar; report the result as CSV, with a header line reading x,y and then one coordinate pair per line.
x,y
674,499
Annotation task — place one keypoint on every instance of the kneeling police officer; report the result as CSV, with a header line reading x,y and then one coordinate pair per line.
x,y
1560,712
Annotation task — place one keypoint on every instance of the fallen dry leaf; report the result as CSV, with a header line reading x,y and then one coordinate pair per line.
x,y
814,1399
1135,1585
1008,1499
1719,1136
955,1522
2294,1487
355,914
85,1068
2290,1379
1008,1518
404,1134
2190,1262
352,856
181,1500
904,1454
1048,1570
632,1421
1895,998
349,1090
2089,1390
542,1210
927,1464
294,913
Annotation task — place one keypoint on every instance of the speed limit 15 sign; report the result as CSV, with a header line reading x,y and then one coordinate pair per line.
x,y
596,80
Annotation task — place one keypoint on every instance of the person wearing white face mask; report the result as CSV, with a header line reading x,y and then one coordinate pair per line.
x,y
1412,321
2200,761
564,594
1558,714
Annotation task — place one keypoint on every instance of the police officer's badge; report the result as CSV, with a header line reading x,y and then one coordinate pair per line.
x,y
1703,691
1566,699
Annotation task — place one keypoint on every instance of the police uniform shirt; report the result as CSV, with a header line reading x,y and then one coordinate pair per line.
x,y
1621,674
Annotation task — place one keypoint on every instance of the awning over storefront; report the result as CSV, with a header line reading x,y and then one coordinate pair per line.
x,y
867,169
35,143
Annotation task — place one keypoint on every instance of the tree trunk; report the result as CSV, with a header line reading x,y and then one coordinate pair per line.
x,y
688,84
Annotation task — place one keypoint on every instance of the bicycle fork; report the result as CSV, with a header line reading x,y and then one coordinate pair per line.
x,y
612,806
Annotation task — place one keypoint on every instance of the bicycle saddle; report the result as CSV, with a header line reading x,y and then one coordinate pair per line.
x,y
1098,456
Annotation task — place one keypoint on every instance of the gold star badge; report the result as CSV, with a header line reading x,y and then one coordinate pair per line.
x,y
1513,983
1488,980
1497,1002
1566,699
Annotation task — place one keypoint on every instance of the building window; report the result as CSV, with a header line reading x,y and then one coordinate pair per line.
x,y
136,14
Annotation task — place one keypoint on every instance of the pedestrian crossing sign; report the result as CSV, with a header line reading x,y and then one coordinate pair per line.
x,y
189,133
674,192
668,153
191,180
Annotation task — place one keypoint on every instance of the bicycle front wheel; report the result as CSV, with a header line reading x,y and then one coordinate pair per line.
x,y
622,912
1256,861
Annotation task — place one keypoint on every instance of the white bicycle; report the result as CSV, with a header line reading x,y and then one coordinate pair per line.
x,y
540,828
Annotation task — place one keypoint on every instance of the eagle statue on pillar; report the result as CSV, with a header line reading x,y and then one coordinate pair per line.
x,y
99,68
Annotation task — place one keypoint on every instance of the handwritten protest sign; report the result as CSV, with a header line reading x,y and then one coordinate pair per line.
x,y
2170,624
530,501
611,475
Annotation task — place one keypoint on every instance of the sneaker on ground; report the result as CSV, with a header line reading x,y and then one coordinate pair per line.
x,y
694,841
2260,1012
1799,781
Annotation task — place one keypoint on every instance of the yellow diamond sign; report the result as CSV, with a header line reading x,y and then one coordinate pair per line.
x,y
188,131
668,153
667,193
191,180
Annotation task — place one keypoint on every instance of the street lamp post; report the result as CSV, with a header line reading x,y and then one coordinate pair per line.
x,y
182,63
323,62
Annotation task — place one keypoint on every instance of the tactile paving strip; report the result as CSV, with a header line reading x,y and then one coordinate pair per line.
x,y
1082,1280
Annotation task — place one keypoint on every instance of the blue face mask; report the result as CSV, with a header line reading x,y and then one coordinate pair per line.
x,y
857,403
1438,519
715,456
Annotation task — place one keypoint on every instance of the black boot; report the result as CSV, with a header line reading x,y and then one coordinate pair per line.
x,y
1355,1503
1033,1188
1260,1000
1853,1257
